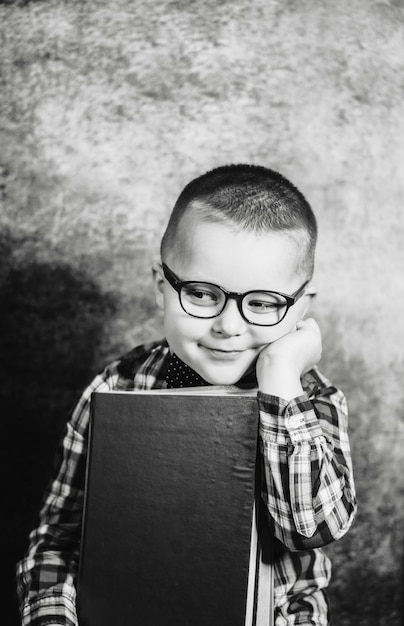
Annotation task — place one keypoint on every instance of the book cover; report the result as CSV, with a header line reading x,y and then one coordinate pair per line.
x,y
170,524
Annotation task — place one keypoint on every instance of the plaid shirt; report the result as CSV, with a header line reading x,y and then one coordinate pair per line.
x,y
309,493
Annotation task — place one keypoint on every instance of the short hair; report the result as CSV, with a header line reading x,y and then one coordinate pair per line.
x,y
248,197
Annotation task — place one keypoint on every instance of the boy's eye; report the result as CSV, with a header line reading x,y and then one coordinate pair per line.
x,y
262,306
201,295
265,303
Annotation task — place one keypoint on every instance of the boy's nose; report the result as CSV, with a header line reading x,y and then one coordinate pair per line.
x,y
230,321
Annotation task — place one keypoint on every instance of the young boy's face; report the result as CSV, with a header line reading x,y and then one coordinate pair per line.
x,y
222,349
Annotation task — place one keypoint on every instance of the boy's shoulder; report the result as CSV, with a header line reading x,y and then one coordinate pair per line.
x,y
146,361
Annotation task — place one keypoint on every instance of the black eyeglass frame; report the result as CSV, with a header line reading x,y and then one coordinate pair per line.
x,y
178,284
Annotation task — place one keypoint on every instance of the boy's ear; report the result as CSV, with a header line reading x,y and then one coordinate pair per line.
x,y
158,280
307,299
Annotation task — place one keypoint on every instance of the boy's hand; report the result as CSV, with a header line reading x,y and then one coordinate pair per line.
x,y
281,364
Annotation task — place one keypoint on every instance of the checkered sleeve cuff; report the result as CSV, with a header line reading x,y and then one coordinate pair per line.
x,y
55,607
283,421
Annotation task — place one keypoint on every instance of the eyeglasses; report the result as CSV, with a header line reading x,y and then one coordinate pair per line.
x,y
206,300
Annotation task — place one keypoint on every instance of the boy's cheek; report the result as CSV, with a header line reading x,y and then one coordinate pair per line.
x,y
182,326
274,333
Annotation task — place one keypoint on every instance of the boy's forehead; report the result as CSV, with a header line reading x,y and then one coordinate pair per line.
x,y
218,251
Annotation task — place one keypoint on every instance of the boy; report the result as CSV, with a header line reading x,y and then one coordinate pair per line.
x,y
236,263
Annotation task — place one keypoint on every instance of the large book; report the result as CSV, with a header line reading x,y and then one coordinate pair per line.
x,y
173,533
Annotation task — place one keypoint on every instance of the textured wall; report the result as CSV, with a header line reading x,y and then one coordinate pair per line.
x,y
107,110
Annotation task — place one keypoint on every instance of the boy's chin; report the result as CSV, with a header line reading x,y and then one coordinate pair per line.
x,y
229,378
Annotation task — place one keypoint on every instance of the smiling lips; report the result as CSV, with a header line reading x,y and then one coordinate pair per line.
x,y
226,355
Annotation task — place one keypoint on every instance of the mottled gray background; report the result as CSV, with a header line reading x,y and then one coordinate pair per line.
x,y
107,110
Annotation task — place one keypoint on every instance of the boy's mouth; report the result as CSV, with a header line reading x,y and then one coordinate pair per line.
x,y
222,354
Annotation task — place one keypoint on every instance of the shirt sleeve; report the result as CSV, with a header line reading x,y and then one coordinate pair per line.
x,y
46,576
307,469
